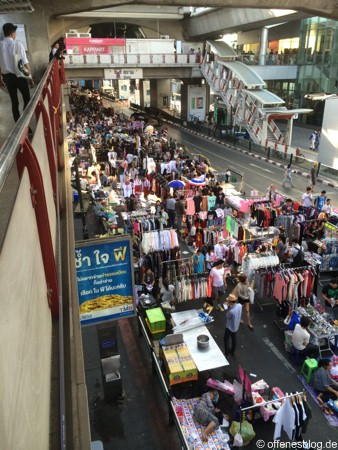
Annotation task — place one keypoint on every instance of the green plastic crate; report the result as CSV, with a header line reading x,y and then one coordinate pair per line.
x,y
156,319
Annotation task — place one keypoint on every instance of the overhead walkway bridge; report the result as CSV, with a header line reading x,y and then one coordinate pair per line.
x,y
243,92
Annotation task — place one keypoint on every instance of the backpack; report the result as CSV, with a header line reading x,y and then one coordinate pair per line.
x,y
299,258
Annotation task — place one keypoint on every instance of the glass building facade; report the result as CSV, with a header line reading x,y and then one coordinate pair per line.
x,y
317,63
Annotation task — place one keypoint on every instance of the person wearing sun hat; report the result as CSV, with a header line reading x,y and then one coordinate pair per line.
x,y
232,325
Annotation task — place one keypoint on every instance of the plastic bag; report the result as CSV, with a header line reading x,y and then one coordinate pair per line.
x,y
245,430
294,320
238,391
251,295
238,440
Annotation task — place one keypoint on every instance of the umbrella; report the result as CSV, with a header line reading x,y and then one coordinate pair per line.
x,y
197,182
176,184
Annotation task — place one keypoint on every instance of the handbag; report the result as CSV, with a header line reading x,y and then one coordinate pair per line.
x,y
251,295
20,69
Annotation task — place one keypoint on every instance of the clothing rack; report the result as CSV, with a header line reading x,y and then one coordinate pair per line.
x,y
236,219
152,231
259,405
175,260
262,238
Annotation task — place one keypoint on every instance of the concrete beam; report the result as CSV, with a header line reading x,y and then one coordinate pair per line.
x,y
325,8
231,20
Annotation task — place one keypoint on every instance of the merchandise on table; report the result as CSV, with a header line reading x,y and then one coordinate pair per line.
x,y
322,324
179,364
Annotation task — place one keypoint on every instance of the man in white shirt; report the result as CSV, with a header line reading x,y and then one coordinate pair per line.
x,y
327,208
307,198
8,78
220,249
301,339
218,283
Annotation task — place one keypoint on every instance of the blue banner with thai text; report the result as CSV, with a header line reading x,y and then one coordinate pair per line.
x,y
104,272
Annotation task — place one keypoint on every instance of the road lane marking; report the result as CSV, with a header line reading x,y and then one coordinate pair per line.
x,y
279,355
261,168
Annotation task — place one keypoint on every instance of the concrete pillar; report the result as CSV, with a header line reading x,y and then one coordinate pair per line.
x,y
146,92
141,93
207,99
263,46
153,93
160,93
184,101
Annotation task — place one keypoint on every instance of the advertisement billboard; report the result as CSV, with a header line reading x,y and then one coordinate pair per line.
x,y
105,279
196,102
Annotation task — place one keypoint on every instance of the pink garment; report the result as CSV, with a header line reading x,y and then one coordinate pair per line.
x,y
190,207
278,200
136,228
280,288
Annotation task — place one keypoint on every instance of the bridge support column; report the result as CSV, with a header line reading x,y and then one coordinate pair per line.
x,y
160,93
141,87
263,46
193,100
207,98
153,93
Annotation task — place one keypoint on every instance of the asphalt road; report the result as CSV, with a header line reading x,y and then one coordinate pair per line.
x,y
258,174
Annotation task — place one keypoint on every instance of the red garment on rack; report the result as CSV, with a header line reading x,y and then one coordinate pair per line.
x,y
199,238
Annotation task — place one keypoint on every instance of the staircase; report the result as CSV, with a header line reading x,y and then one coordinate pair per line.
x,y
243,92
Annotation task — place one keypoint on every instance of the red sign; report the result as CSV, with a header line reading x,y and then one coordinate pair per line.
x,y
92,46
95,41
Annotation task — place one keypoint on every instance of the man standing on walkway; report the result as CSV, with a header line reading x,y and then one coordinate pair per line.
x,y
233,321
170,206
8,48
307,198
313,139
180,211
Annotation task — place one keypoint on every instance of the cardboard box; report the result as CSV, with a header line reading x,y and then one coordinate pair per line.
x,y
156,319
156,335
179,364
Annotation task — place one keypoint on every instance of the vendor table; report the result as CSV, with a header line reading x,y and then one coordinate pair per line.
x,y
204,358
331,331
327,339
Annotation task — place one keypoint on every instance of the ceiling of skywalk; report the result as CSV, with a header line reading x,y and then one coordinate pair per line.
x,y
11,6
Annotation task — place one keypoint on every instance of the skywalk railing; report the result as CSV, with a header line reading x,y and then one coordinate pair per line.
x,y
134,60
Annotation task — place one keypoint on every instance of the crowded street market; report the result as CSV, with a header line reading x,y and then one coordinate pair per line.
x,y
205,251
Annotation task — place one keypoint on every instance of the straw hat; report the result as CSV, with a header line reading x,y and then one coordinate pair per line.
x,y
232,298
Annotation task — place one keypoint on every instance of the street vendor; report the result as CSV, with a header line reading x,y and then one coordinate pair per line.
x,y
207,413
330,293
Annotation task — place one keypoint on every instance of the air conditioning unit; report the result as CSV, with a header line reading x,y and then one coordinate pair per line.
x,y
84,35
72,35
165,36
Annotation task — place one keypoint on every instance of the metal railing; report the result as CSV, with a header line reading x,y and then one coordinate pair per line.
x,y
134,60
35,162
